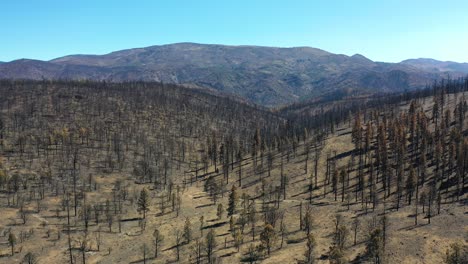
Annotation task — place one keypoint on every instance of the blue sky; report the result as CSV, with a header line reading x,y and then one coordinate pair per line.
x,y
381,30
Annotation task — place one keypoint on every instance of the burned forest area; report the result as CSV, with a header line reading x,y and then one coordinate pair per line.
x,y
146,172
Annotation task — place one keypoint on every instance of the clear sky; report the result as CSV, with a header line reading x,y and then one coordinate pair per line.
x,y
390,30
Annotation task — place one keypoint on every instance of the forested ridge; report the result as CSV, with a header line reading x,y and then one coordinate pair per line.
x,y
140,172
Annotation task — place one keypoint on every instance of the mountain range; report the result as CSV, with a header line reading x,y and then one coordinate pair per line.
x,y
269,76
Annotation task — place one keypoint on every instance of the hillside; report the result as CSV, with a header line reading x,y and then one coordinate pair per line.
x,y
96,172
265,75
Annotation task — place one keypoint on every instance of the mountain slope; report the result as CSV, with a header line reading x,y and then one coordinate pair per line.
x,y
96,148
266,75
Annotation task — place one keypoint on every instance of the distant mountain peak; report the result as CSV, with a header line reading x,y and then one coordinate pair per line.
x,y
421,60
429,64
359,56
429,60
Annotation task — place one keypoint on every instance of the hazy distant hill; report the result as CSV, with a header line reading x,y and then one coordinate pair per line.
x,y
437,66
266,75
